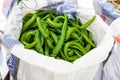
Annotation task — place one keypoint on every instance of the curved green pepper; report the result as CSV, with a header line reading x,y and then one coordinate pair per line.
x,y
27,44
62,38
29,23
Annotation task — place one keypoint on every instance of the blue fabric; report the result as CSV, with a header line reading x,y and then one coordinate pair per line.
x,y
68,8
109,10
12,66
64,6
10,41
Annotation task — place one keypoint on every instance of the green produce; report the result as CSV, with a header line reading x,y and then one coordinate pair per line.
x,y
56,35
62,38
19,1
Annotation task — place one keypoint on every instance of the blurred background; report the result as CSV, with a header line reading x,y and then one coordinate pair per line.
x,y
2,17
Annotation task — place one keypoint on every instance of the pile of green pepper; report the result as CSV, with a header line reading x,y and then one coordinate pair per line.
x,y
56,35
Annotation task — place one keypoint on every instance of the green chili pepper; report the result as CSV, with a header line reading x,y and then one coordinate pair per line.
x,y
80,38
84,26
73,43
42,40
46,50
63,56
74,57
45,18
77,53
27,17
19,1
50,45
87,24
57,19
54,36
26,44
70,31
43,32
57,36
88,47
77,48
53,24
34,25
48,40
62,38
38,46
30,45
29,23
29,35
42,13
22,38
88,40
75,22
78,21
57,31
90,36
71,52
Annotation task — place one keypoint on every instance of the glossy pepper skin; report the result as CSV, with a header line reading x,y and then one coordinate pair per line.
x,y
29,23
38,46
56,35
84,26
24,40
62,38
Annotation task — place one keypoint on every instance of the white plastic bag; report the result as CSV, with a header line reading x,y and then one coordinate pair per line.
x,y
3,61
111,70
34,66
105,10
